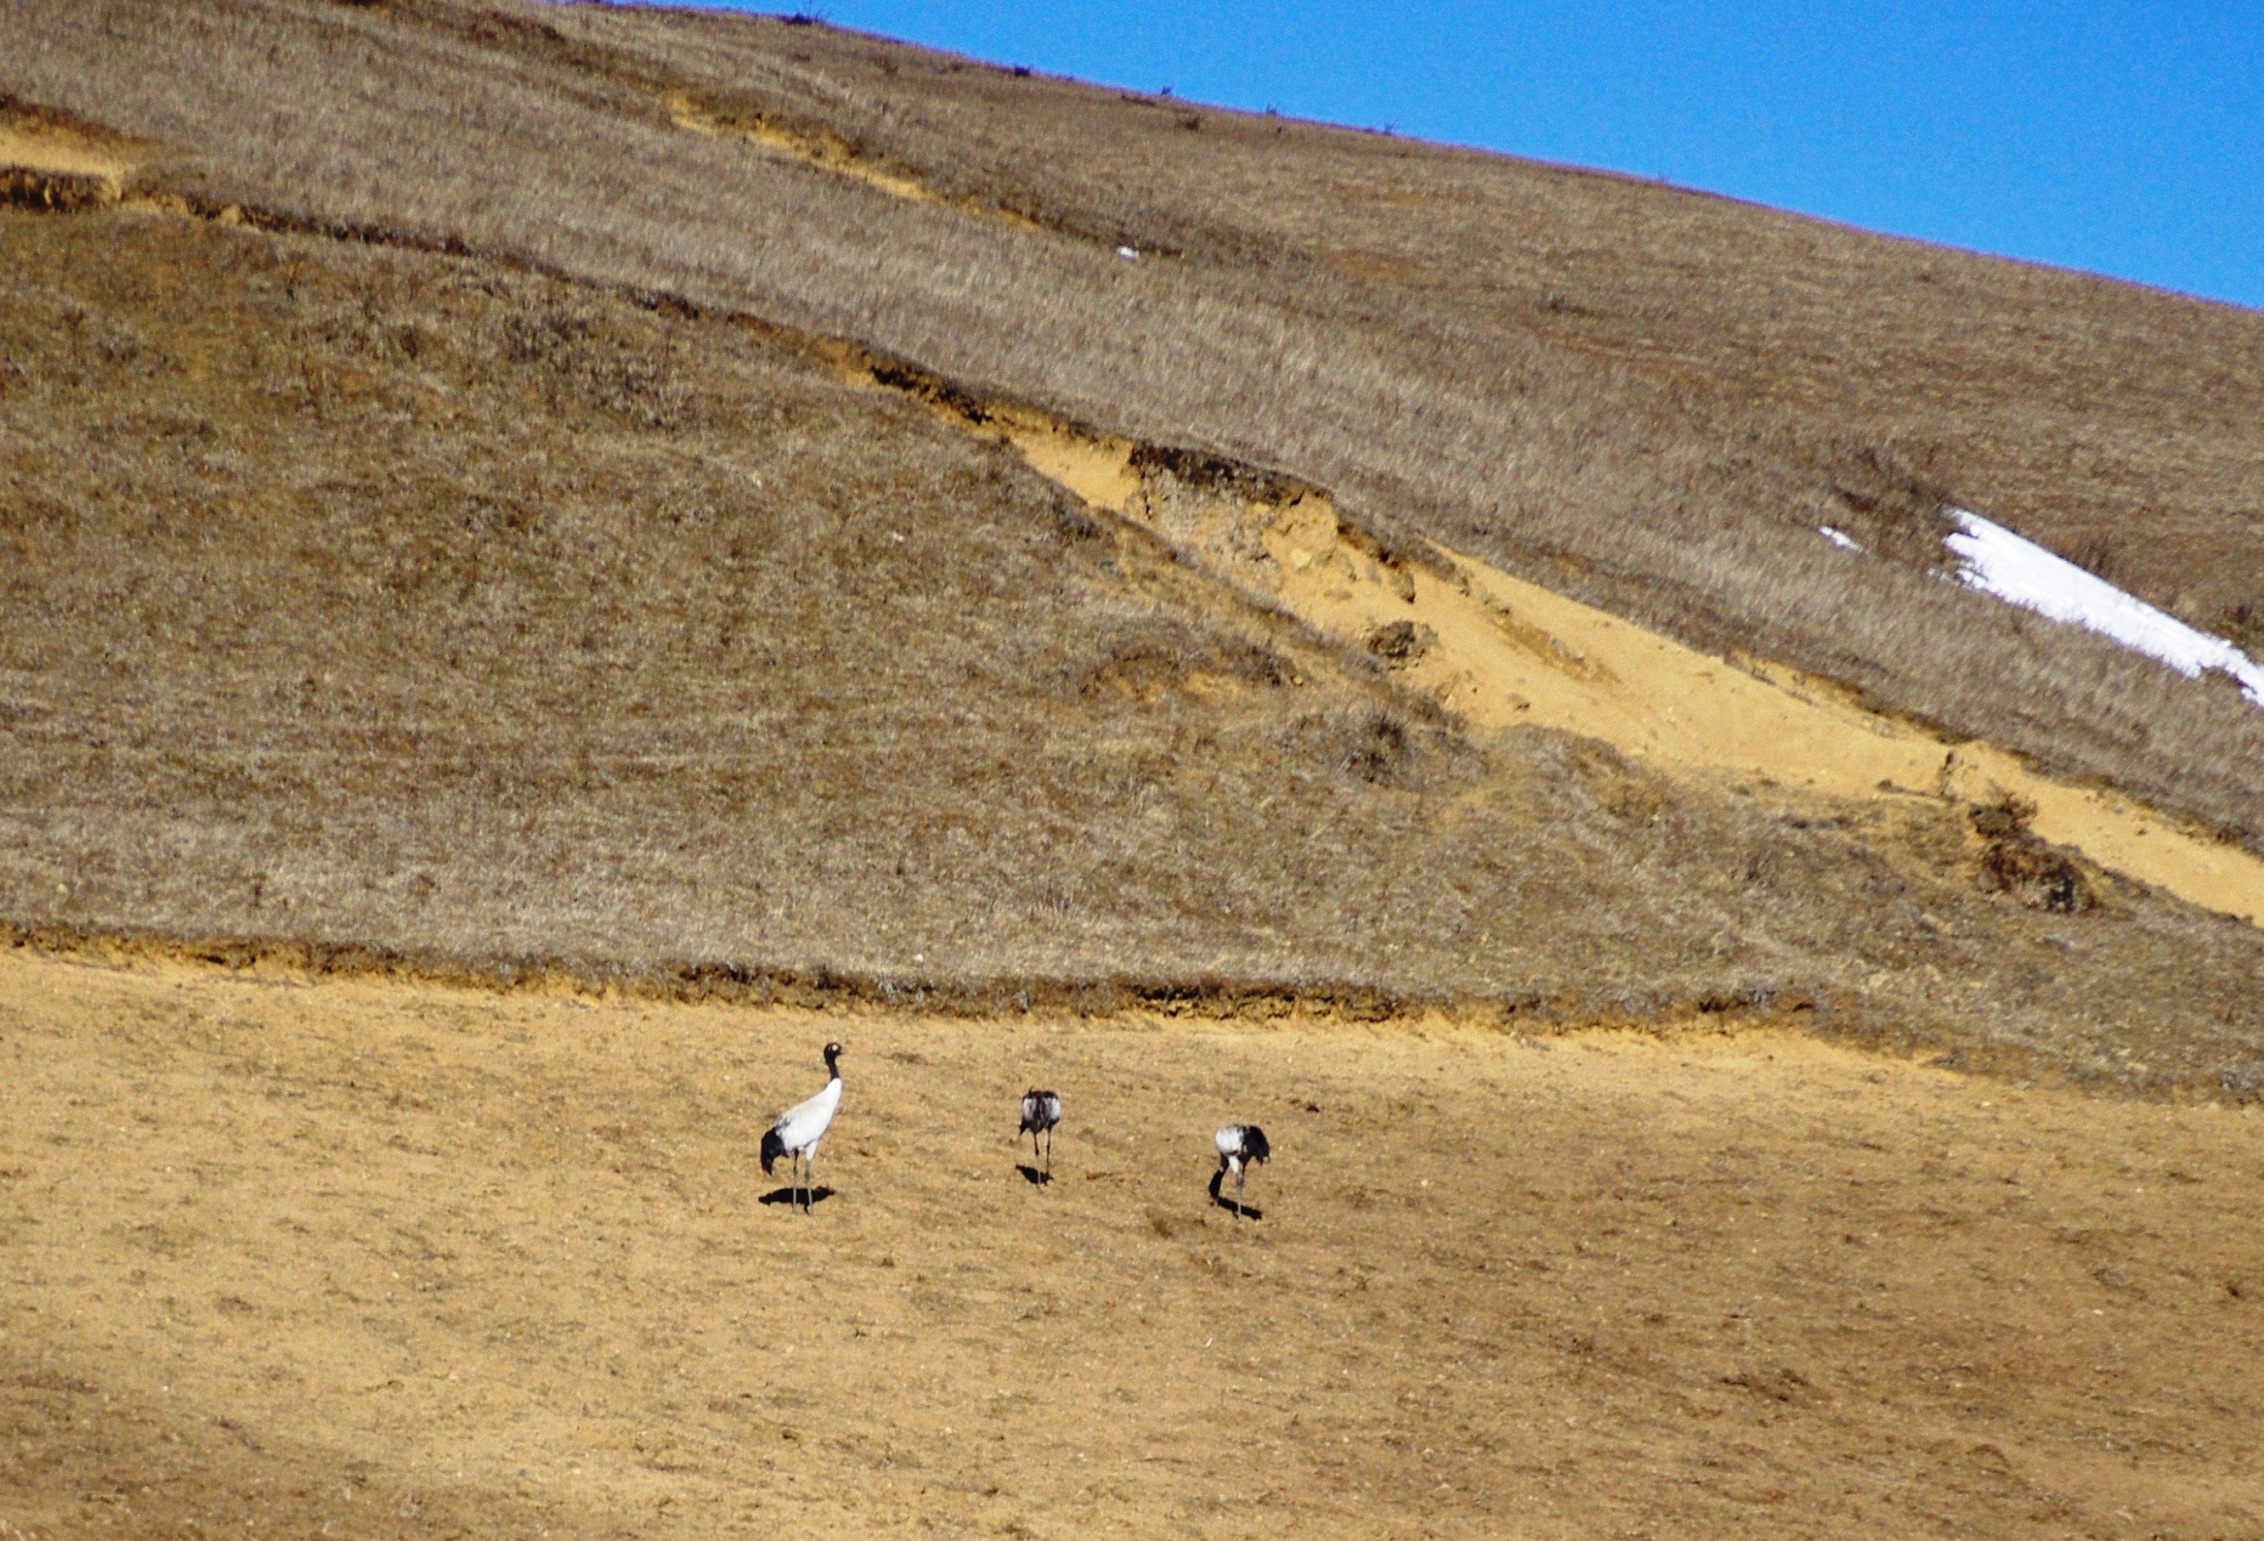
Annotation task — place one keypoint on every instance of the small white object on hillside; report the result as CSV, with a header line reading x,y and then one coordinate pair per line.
x,y
1128,253
1994,560
1840,538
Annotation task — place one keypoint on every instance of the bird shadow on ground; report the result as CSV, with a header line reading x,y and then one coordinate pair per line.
x,y
818,1196
1225,1202
1034,1177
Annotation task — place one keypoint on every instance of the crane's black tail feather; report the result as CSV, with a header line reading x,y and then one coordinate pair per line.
x,y
773,1148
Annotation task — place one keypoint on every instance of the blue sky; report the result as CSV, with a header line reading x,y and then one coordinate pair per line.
x,y
2119,138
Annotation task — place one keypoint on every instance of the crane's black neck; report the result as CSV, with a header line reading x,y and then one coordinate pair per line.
x,y
832,1070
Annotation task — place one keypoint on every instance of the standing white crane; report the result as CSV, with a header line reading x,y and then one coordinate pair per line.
x,y
1041,1111
800,1127
1240,1146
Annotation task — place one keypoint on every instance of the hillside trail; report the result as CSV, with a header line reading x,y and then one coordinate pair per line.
x,y
61,154
1503,653
48,165
362,1257
827,151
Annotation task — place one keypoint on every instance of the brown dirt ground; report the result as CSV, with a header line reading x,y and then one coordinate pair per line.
x,y
358,1257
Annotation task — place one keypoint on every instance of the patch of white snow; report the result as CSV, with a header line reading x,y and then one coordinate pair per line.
x,y
1994,560
1839,538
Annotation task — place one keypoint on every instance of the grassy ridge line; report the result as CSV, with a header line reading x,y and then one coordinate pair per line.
x,y
824,989
1255,1003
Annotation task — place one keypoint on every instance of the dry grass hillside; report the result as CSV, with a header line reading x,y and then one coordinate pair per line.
x,y
403,601
1642,397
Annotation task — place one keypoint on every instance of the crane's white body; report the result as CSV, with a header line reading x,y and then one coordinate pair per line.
x,y
801,1126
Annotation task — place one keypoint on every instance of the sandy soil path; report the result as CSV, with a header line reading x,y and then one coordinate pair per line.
x,y
364,1258
56,152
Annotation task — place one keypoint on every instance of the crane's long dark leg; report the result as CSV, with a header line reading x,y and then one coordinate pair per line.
x,y
811,1206
1241,1176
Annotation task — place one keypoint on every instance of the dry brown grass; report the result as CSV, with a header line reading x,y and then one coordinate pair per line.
x,y
406,601
1643,397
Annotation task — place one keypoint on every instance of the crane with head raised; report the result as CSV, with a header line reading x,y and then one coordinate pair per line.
x,y
800,1127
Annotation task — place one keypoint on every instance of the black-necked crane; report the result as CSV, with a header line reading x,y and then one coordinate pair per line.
x,y
1041,1112
1240,1147
800,1127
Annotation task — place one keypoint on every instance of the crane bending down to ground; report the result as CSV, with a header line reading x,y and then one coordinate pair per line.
x,y
800,1127
1240,1146
1041,1111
